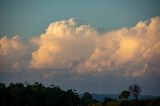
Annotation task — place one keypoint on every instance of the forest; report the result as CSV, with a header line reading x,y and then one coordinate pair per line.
x,y
36,94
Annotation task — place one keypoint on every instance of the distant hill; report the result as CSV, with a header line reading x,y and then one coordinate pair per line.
x,y
100,97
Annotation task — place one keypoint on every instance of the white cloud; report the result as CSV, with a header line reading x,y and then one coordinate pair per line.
x,y
66,45
128,50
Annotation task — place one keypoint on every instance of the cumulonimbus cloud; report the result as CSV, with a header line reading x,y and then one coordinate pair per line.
x,y
66,45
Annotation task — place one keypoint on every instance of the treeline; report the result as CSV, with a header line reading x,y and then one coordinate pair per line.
x,y
36,94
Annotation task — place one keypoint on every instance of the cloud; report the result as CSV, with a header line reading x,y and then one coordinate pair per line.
x,y
128,51
14,54
64,45
72,47
86,57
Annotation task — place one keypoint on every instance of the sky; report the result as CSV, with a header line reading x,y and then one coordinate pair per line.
x,y
99,46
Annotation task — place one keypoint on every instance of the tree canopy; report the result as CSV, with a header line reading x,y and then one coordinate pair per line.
x,y
135,90
124,95
19,94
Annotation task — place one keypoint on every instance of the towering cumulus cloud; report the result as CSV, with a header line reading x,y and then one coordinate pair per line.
x,y
66,45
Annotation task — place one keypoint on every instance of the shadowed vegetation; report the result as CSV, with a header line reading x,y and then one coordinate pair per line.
x,y
36,94
20,94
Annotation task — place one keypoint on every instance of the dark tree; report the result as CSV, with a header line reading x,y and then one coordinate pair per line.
x,y
72,98
3,94
86,99
135,90
124,95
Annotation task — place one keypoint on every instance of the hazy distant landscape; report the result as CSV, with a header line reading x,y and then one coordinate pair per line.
x,y
100,97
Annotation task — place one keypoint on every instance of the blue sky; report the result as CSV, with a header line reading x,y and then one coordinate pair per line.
x,y
72,54
32,17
